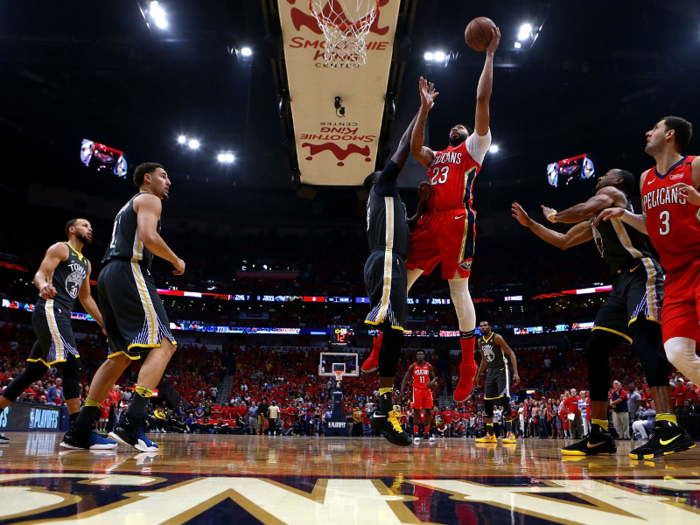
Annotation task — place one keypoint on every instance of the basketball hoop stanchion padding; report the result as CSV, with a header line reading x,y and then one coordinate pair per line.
x,y
345,25
337,424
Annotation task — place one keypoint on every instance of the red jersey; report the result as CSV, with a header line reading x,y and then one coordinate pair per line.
x,y
447,417
672,223
421,376
453,171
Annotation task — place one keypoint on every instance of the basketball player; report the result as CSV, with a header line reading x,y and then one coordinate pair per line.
x,y
446,233
631,313
423,378
494,350
63,277
385,280
670,201
133,313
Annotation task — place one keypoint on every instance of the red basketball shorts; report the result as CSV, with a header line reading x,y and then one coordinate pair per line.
x,y
443,236
680,313
422,399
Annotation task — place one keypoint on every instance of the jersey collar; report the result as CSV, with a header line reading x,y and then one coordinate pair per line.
x,y
656,171
488,339
80,255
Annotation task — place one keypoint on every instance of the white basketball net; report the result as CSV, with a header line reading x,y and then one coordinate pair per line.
x,y
339,375
345,24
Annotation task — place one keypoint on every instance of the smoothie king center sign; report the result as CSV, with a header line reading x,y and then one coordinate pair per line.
x,y
335,150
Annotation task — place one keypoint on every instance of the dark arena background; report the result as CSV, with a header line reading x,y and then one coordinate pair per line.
x,y
266,141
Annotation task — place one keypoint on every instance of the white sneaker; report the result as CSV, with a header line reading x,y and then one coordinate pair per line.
x,y
416,440
431,439
164,431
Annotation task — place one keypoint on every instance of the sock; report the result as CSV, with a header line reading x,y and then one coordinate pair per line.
x,y
599,425
386,399
467,341
139,402
489,429
670,418
86,417
509,427
415,430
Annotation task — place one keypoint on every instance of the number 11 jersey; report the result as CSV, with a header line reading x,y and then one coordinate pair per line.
x,y
673,223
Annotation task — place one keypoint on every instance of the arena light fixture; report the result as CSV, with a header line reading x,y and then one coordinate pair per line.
x,y
429,56
226,157
517,45
525,32
181,139
439,56
193,144
494,148
157,13
246,51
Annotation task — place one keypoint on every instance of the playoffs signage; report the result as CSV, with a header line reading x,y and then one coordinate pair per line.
x,y
335,148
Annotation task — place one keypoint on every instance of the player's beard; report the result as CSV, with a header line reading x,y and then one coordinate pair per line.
x,y
84,239
456,141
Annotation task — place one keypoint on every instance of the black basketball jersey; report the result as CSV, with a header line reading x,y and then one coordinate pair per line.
x,y
619,244
495,357
386,214
125,237
67,279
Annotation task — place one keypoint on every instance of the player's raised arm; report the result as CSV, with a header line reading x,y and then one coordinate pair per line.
x,y
423,154
483,92
578,234
42,279
148,208
606,198
511,355
404,148
405,378
87,301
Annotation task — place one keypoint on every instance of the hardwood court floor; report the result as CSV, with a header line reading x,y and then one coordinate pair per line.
x,y
263,479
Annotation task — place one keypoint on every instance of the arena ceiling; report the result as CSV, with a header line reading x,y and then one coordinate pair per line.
x,y
598,75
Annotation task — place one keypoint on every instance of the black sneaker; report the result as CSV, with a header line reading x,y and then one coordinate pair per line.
x,y
130,432
4,440
389,427
597,444
668,439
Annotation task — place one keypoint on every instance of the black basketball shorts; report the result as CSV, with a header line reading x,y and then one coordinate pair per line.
x,y
637,292
133,314
54,334
386,282
497,383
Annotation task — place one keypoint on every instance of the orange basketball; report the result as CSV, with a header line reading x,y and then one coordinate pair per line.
x,y
479,32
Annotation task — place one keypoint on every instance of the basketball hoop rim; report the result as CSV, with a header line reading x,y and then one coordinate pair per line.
x,y
343,27
338,374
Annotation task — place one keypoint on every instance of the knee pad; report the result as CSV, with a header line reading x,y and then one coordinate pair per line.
x,y
600,346
390,352
72,369
646,337
488,405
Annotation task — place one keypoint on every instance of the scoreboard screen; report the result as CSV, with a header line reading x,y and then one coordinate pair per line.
x,y
339,335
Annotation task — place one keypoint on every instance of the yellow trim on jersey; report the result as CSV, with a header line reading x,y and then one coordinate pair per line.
x,y
486,339
647,318
40,360
625,239
492,398
80,255
375,323
386,292
613,332
133,358
146,303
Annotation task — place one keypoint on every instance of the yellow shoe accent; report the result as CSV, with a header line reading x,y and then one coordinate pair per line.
x,y
488,438
394,422
565,452
509,439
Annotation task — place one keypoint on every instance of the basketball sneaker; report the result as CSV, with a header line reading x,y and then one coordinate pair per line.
x,y
509,439
130,432
596,444
488,438
4,440
92,441
431,438
388,426
416,440
668,439
372,362
466,382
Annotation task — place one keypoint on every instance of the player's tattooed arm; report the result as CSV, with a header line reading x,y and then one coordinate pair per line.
x,y
423,197
88,302
578,234
511,356
423,154
606,198
405,378
42,279
148,208
485,87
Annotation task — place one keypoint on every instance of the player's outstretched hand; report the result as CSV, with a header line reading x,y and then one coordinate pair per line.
x,y
687,192
549,213
424,191
520,214
495,40
47,291
179,267
427,97
607,214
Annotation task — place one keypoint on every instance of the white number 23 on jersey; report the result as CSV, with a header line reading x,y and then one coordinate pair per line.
x,y
439,175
